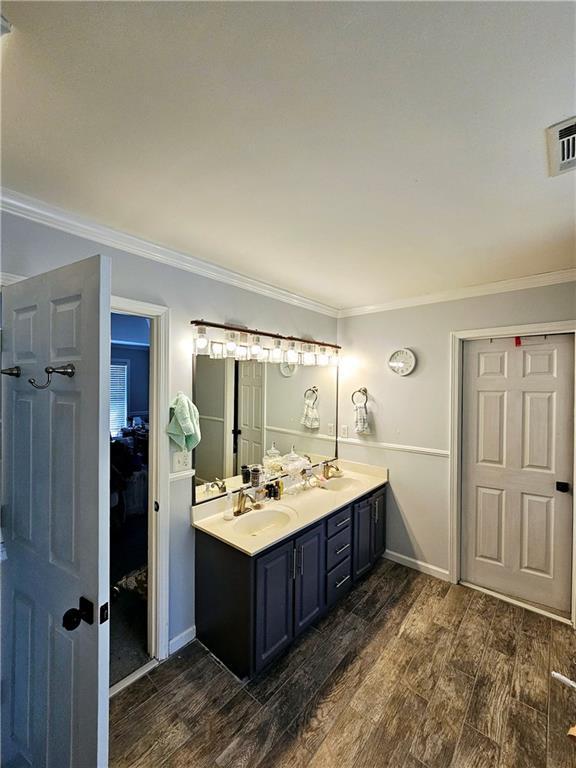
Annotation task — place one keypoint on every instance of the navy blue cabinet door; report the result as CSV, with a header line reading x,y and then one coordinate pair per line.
x,y
310,577
378,525
363,537
274,603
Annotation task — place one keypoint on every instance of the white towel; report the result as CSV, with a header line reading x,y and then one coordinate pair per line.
x,y
361,426
310,416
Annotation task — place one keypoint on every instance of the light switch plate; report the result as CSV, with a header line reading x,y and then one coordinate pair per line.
x,y
181,461
344,430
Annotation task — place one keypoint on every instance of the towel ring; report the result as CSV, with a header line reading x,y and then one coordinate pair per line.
x,y
362,391
314,391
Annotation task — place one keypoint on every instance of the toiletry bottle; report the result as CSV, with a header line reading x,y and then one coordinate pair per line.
x,y
245,473
255,476
229,511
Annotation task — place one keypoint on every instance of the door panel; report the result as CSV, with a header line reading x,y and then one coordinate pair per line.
x,y
517,442
378,543
56,497
250,416
311,577
274,603
362,538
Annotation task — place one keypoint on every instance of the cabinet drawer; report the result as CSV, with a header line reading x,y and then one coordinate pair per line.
x,y
340,520
338,547
339,581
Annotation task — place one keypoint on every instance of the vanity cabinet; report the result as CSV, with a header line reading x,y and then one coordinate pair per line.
x,y
249,609
369,532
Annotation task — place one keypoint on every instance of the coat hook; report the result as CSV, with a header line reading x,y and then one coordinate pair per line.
x,y
15,371
63,370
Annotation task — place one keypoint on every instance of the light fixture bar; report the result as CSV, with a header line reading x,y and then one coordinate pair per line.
x,y
256,332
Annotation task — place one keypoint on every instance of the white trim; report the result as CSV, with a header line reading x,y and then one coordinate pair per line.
x,y
483,289
417,565
298,433
159,550
42,213
132,677
519,603
358,442
182,639
219,419
185,474
7,279
457,339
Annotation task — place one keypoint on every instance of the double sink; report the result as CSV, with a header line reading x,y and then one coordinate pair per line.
x,y
275,516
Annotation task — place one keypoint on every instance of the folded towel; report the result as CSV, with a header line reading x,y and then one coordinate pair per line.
x,y
361,426
184,426
310,416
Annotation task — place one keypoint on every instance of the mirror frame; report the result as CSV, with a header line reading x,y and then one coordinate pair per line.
x,y
221,495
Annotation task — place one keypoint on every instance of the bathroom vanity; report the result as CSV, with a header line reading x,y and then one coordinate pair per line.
x,y
266,576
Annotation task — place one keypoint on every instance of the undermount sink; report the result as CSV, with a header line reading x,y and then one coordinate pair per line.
x,y
269,518
345,483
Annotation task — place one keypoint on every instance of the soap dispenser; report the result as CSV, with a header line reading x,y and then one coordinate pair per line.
x,y
229,511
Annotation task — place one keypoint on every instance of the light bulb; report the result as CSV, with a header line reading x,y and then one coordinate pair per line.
x,y
276,352
231,341
217,350
256,346
241,352
264,355
308,355
322,358
292,353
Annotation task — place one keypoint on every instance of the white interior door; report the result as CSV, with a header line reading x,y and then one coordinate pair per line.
x,y
518,442
55,505
250,412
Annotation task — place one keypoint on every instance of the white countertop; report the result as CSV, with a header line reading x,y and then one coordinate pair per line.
x,y
275,521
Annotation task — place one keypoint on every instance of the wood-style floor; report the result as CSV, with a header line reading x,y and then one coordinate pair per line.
x,y
407,672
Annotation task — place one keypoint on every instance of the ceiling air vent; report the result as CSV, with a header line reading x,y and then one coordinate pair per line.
x,y
562,146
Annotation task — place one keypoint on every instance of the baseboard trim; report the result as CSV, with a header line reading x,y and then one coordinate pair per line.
x,y
132,677
417,565
182,639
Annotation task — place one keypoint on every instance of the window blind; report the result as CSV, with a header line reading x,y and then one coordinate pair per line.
x,y
118,397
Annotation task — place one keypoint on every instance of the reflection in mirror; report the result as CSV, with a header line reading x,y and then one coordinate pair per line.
x,y
245,407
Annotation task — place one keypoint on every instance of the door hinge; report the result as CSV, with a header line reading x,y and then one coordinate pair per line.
x,y
104,613
156,507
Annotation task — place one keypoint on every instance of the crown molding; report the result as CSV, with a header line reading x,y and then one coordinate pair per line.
x,y
484,289
7,279
42,213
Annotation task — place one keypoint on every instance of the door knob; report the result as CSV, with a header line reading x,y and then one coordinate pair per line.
x,y
74,616
563,487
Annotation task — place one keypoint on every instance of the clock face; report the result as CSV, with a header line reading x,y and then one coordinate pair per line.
x,y
288,369
402,362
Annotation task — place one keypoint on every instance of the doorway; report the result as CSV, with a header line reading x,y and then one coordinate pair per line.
x,y
129,494
513,465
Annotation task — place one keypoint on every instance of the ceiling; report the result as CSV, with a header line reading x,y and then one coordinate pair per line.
x,y
352,153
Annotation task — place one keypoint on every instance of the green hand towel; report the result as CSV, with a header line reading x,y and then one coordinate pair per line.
x,y
184,426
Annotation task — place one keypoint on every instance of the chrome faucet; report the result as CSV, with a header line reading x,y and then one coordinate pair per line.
x,y
220,484
330,470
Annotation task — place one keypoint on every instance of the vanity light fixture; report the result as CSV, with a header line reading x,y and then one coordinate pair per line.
x,y
221,340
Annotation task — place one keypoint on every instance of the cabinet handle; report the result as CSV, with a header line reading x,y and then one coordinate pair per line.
x,y
342,549
294,563
344,580
301,560
343,522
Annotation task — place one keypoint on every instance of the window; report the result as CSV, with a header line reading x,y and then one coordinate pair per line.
x,y
118,397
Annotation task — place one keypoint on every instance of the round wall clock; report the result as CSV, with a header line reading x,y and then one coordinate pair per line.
x,y
288,369
402,361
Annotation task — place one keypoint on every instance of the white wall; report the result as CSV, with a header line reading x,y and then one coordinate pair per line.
x,y
29,249
414,411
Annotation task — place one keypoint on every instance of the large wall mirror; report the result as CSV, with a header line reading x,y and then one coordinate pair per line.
x,y
246,406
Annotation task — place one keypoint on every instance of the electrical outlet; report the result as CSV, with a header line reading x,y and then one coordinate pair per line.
x,y
181,461
331,429
344,430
